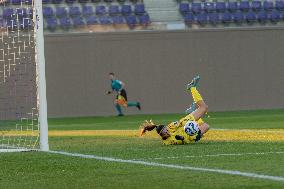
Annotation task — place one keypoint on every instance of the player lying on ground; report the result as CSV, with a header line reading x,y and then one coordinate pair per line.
x,y
188,129
121,97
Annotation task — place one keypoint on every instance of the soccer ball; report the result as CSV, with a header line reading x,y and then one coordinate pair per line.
x,y
191,128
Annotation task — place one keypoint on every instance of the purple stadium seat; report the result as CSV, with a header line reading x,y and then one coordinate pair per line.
x,y
256,5
274,16
105,20
226,17
244,6
220,6
251,17
83,1
74,11
21,12
279,5
233,6
108,1
57,1
100,10
196,8
209,7
126,9
69,1
213,18
65,22
45,1
30,13
8,12
268,5
238,17
262,16
201,18
139,9
11,24
78,21
16,2
113,10
183,8
51,23
87,10
61,12
26,23
131,20
47,12
118,20
188,18
91,20
96,1
144,19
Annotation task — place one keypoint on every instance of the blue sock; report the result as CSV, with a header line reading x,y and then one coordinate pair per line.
x,y
129,104
118,108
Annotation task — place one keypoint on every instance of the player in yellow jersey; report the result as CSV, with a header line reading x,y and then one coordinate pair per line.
x,y
189,128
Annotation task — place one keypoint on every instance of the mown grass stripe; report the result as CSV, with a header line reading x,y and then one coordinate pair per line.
x,y
212,135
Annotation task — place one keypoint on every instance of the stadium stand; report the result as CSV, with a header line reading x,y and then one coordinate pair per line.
x,y
89,15
74,14
247,12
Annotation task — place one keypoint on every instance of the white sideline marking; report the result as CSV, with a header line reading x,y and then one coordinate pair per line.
x,y
213,155
228,172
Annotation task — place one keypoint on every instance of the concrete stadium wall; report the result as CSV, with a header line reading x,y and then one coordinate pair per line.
x,y
240,70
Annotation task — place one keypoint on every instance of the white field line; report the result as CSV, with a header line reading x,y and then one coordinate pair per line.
x,y
153,164
210,155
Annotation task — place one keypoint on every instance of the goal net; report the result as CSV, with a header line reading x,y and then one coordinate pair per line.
x,y
22,79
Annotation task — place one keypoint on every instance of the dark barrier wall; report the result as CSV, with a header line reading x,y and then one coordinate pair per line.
x,y
240,70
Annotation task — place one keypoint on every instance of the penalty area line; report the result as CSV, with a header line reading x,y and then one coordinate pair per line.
x,y
153,164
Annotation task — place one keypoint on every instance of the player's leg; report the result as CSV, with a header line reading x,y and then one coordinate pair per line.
x,y
136,104
118,108
197,98
130,104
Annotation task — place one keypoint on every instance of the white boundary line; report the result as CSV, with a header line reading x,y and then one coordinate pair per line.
x,y
221,171
212,155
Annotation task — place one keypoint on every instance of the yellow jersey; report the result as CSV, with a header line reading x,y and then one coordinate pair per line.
x,y
177,128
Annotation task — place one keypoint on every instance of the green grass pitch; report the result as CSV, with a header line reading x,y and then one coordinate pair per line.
x,y
40,170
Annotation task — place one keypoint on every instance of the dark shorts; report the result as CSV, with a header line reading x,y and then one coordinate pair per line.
x,y
123,93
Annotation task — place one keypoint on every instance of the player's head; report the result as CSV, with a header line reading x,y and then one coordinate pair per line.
x,y
111,75
163,131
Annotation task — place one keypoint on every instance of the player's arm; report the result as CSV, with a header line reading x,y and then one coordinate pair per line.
x,y
149,126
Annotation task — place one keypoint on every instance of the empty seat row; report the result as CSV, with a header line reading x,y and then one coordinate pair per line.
x,y
14,24
29,2
236,17
17,12
85,1
60,11
231,6
52,23
18,2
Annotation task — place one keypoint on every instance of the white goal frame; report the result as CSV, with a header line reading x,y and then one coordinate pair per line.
x,y
40,79
40,60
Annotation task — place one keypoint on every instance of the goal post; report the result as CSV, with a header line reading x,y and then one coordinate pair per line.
x,y
41,75
23,104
